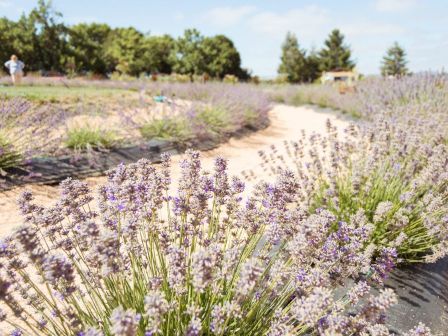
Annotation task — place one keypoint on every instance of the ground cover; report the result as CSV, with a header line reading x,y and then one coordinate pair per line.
x,y
83,116
343,208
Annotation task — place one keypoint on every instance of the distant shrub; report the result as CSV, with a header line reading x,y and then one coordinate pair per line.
x,y
25,130
172,128
180,78
9,156
232,79
215,119
85,138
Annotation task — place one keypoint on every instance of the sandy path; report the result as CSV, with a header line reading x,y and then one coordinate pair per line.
x,y
286,124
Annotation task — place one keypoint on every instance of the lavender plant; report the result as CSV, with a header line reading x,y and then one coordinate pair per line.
x,y
24,131
82,138
393,167
196,112
198,261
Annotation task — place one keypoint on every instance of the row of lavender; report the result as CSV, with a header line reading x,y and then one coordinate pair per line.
x,y
392,165
201,257
211,112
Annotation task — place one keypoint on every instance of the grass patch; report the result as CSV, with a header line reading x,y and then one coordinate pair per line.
x,y
9,156
86,138
215,119
173,129
57,94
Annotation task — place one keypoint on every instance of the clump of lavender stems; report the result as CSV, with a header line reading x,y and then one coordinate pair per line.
x,y
391,165
202,260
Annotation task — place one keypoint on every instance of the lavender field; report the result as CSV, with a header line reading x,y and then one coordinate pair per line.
x,y
305,250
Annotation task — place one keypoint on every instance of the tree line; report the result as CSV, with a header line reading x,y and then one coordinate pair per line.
x,y
45,43
299,66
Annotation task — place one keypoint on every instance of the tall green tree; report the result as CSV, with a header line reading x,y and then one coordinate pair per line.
x,y
43,42
125,47
188,54
293,61
335,55
8,35
221,57
312,66
49,37
394,62
157,54
86,43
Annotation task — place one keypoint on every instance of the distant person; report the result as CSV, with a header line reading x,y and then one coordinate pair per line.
x,y
15,68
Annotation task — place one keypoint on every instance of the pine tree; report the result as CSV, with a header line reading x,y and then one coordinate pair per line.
x,y
394,62
312,69
293,60
336,54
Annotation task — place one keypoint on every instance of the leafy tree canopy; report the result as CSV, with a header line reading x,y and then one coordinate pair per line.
x,y
43,42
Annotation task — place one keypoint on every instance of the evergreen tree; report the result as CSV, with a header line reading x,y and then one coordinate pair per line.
x,y
394,62
336,54
293,62
312,66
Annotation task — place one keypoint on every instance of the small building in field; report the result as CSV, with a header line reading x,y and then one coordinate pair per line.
x,y
346,77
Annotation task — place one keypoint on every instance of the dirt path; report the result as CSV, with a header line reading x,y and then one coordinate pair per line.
x,y
286,124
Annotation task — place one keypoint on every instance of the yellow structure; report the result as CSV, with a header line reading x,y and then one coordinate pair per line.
x,y
348,77
345,80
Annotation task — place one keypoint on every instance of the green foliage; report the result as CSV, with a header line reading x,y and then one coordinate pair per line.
x,y
194,54
86,43
125,46
293,62
60,94
394,62
86,138
374,191
231,79
336,55
221,57
312,66
188,55
9,156
215,119
157,54
173,129
44,43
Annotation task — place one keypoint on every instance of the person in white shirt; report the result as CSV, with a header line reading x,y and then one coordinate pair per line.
x,y
15,68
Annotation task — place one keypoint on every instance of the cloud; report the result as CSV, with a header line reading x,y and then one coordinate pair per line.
x,y
395,5
5,3
370,28
178,16
82,19
304,21
227,16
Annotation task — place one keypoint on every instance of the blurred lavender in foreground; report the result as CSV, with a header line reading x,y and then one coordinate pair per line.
x,y
201,260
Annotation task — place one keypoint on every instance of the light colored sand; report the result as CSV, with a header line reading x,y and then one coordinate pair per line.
x,y
286,124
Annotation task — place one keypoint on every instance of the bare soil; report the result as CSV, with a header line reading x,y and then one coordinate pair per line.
x,y
286,124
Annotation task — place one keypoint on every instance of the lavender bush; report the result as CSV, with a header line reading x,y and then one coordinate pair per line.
x,y
392,166
195,112
24,130
199,261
